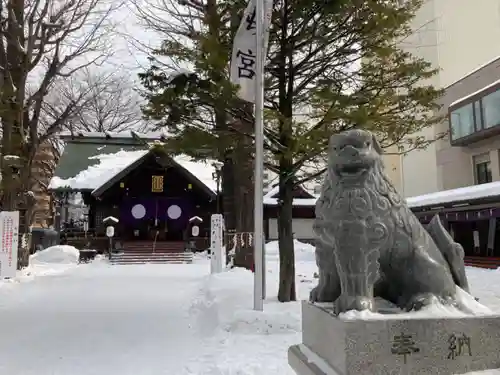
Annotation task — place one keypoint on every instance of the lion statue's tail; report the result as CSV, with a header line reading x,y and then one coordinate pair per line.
x,y
453,252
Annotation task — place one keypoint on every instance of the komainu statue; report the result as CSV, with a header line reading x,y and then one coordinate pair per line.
x,y
368,242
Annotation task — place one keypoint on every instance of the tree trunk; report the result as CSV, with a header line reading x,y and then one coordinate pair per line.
x,y
286,290
16,191
228,203
243,190
19,139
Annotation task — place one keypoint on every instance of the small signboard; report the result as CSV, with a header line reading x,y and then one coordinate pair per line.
x,y
157,184
216,243
9,232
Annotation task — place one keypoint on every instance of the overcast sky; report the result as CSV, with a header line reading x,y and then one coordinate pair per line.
x,y
126,53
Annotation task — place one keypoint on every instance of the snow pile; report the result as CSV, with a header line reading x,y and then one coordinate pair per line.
x,y
235,339
201,257
225,303
168,318
59,254
467,307
53,260
303,252
96,175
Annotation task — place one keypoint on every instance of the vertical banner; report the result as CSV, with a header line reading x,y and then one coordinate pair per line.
x,y
216,243
243,59
9,235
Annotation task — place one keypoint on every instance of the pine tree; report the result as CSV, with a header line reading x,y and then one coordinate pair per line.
x,y
331,66
196,106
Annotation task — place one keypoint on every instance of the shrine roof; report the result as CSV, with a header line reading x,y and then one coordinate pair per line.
x,y
124,137
86,166
93,163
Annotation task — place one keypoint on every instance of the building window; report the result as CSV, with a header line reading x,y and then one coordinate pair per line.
x,y
478,116
482,168
491,109
462,121
474,114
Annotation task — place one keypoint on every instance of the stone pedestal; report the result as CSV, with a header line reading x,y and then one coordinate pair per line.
x,y
394,346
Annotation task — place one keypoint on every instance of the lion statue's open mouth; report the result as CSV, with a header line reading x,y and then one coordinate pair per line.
x,y
353,170
353,155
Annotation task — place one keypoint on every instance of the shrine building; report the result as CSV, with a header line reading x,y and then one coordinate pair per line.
x,y
151,199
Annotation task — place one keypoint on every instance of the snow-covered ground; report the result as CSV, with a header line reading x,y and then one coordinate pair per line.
x,y
97,319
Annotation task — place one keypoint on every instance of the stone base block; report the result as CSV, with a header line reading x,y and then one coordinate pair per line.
x,y
393,346
304,362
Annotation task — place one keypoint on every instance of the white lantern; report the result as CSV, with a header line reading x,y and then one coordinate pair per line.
x,y
110,231
195,230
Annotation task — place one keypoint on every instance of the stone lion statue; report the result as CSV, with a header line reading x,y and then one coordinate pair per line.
x,y
369,243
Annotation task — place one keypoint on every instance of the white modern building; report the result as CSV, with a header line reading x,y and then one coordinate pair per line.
x,y
459,37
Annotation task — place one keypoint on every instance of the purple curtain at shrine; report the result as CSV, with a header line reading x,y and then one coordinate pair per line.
x,y
473,215
137,209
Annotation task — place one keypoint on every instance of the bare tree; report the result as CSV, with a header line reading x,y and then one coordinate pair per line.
x,y
42,42
110,104
43,167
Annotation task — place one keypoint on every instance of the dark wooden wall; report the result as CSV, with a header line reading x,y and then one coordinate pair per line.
x,y
137,184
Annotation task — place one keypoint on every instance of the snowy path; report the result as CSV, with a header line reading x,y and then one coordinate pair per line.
x,y
100,320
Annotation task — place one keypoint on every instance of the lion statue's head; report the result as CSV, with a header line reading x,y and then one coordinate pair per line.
x,y
353,155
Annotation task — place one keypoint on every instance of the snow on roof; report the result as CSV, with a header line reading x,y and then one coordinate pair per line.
x,y
474,93
110,218
202,170
455,195
270,201
178,73
269,195
96,175
459,195
302,202
111,164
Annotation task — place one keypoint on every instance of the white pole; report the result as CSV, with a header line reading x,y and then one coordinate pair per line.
x,y
402,174
263,270
259,158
